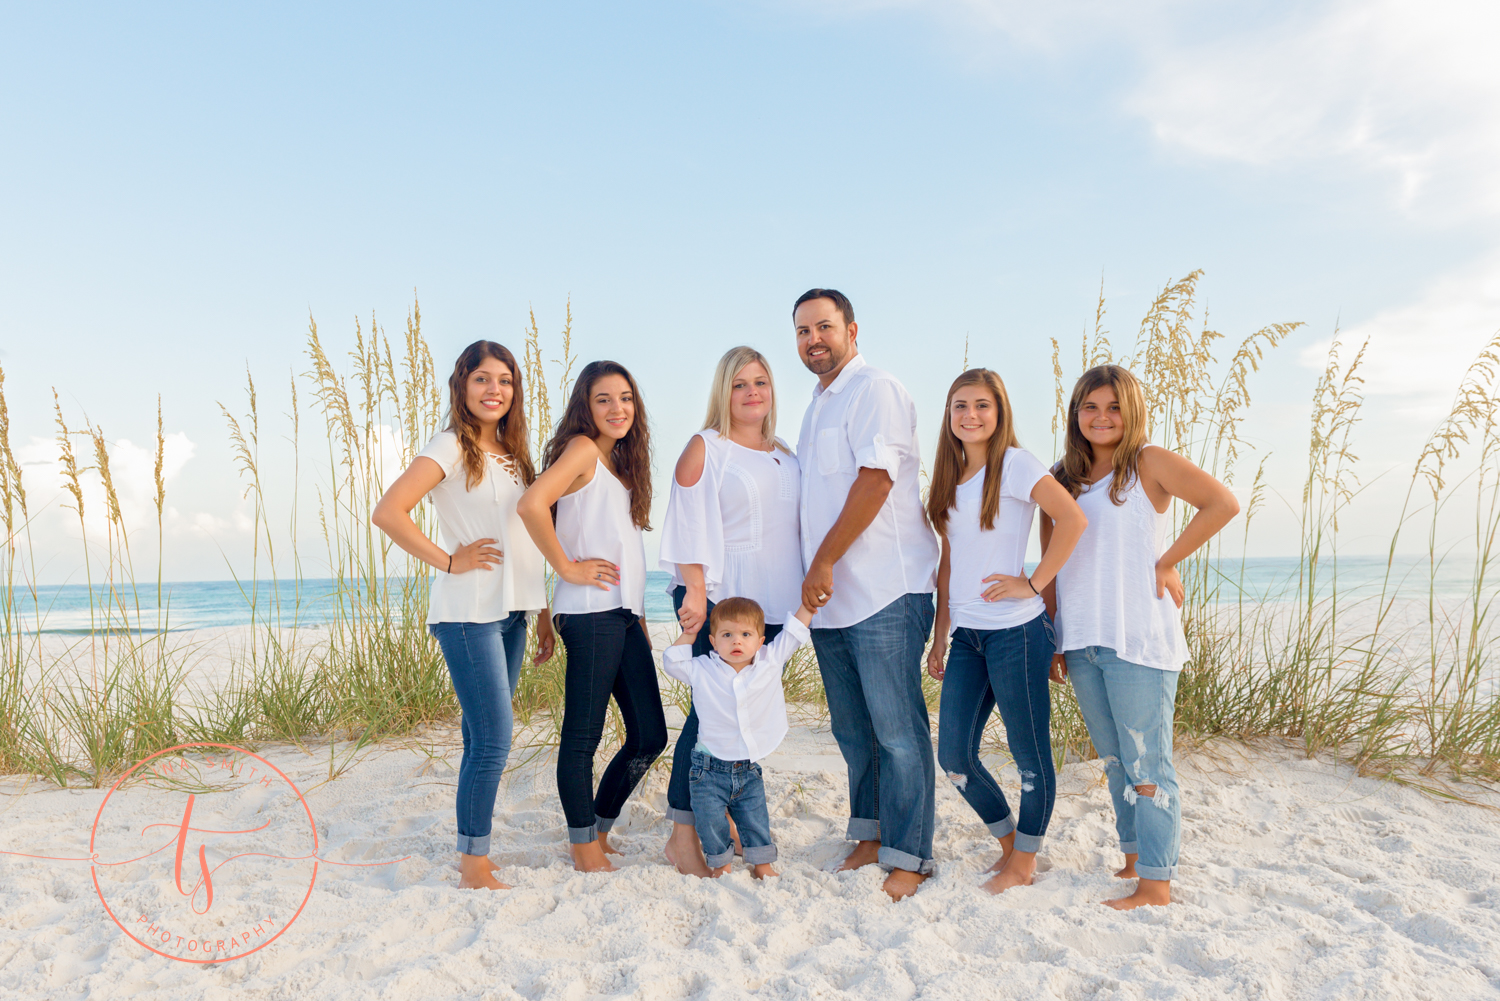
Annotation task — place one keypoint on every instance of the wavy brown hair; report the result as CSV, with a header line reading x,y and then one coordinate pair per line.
x,y
632,453
948,466
1078,455
511,432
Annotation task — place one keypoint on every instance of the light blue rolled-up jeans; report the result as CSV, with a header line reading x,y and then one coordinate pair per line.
x,y
1128,709
484,661
872,674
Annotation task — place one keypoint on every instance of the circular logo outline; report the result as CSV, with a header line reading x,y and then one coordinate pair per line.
x,y
94,865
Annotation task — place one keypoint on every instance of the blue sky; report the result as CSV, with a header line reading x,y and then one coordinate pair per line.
x,y
184,184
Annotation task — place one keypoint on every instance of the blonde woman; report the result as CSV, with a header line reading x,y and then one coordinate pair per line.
x,y
985,492
490,574
731,532
1118,603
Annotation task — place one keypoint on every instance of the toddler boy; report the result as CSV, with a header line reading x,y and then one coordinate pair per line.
x,y
741,719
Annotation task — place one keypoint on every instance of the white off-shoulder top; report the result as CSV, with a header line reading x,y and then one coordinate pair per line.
x,y
741,522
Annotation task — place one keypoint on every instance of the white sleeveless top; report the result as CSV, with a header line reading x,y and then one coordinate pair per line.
x,y
594,524
519,582
1106,592
974,553
741,522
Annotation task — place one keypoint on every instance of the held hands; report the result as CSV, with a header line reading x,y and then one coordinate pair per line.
x,y
1059,670
480,554
817,586
693,613
601,573
935,655
1169,582
1005,586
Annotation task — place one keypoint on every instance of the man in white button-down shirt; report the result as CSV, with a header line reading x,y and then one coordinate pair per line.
x,y
871,561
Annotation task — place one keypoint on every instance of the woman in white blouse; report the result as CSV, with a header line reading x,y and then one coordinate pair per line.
x,y
490,574
732,530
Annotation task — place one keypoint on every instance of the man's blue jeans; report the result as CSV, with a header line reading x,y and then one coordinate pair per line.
x,y
484,661
1129,709
738,787
872,674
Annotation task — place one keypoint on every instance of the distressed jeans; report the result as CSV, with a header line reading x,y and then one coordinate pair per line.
x,y
679,795
1128,709
484,661
872,675
1006,668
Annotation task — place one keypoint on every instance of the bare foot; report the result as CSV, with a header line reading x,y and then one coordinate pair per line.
x,y
721,870
762,870
608,848
684,851
1018,871
1129,871
476,872
864,853
902,883
1148,893
1007,845
590,858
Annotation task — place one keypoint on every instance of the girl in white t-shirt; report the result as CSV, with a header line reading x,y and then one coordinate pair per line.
x,y
1118,604
984,491
491,573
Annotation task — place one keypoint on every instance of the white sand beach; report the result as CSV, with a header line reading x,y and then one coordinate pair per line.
x,y
1300,880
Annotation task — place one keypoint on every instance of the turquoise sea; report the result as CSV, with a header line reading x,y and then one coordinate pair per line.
x,y
312,602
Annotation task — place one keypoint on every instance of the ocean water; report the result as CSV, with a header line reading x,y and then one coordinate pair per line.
x,y
311,602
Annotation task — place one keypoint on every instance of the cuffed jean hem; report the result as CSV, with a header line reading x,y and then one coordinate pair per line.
x,y
1001,828
863,829
1156,871
469,844
605,823
583,835
754,855
677,816
1131,848
1029,842
892,858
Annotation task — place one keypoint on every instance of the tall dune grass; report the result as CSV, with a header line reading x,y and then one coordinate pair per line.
x,y
1315,664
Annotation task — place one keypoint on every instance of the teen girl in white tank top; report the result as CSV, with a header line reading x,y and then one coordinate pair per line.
x,y
594,522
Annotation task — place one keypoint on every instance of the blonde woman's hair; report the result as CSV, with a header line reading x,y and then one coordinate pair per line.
x,y
948,466
718,417
1078,455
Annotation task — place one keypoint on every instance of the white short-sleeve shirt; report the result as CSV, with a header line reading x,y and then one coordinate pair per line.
x,y
974,554
740,522
487,512
741,714
865,418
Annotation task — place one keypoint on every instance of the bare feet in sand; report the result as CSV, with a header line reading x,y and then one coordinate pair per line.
x,y
1018,870
589,857
762,870
864,853
476,872
609,849
902,883
1007,845
685,852
1148,893
1129,871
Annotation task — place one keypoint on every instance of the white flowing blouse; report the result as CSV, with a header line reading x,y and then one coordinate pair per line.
x,y
487,512
740,521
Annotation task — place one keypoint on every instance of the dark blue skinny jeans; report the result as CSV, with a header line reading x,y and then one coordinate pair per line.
x,y
1006,668
484,661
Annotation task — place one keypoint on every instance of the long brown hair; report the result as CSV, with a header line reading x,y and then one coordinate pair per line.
x,y
511,432
949,464
1077,462
632,453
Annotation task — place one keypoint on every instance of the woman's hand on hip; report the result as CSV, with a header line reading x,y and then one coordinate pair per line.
x,y
478,555
1006,586
935,654
601,573
1059,670
1168,581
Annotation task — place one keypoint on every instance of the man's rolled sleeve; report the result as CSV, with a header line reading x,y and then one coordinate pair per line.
x,y
880,431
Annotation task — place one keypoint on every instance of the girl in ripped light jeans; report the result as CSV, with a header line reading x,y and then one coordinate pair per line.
x,y
1118,603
